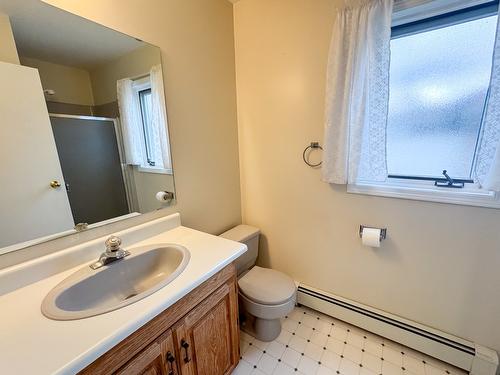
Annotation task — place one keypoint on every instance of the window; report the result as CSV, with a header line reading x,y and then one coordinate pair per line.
x,y
438,85
143,92
439,77
145,103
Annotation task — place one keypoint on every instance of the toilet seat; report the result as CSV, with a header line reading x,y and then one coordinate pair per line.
x,y
265,286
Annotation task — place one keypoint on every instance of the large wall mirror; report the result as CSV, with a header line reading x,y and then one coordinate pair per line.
x,y
83,125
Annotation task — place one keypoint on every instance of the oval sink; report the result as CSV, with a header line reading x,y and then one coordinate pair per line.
x,y
90,292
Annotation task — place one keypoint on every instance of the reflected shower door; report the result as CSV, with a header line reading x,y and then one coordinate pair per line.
x,y
90,162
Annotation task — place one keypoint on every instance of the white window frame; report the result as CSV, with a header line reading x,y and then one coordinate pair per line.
x,y
470,194
139,85
426,191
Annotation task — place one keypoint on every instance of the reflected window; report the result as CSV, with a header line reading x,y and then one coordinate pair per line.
x,y
146,108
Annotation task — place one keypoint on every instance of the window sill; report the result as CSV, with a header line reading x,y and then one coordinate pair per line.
x,y
154,170
421,192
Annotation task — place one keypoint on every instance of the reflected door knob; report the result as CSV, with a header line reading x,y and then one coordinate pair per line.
x,y
55,184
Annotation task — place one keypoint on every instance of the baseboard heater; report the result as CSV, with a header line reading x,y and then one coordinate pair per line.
x,y
476,359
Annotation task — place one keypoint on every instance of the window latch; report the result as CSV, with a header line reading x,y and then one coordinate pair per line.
x,y
448,182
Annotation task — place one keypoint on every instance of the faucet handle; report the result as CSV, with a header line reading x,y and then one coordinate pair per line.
x,y
113,243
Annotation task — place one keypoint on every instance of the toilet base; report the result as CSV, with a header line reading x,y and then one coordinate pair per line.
x,y
267,329
262,329
263,321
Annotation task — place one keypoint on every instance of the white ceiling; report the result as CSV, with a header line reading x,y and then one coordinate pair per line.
x,y
51,34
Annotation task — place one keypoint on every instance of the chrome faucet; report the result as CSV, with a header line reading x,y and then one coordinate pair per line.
x,y
113,253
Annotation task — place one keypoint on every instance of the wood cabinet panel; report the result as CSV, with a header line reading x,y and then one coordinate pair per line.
x,y
209,336
157,359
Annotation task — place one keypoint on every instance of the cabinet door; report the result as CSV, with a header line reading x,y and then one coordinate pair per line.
x,y
158,358
208,336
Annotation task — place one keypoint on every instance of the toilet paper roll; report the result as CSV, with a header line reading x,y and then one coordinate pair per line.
x,y
163,196
371,237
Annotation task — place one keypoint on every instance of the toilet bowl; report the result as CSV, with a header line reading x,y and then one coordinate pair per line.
x,y
265,295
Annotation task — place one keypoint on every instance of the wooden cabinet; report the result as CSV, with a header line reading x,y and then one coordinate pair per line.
x,y
198,335
208,344
157,359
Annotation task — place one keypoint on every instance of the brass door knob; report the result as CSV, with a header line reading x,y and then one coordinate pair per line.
x,y
55,184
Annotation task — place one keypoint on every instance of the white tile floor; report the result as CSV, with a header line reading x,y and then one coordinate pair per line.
x,y
312,343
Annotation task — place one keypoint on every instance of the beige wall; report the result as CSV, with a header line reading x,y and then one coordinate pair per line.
x,y
8,50
133,64
71,85
440,264
197,46
147,185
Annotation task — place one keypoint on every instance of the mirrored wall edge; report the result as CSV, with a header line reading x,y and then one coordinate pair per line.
x,y
29,250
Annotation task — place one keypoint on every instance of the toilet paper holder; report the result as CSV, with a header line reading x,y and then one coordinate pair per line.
x,y
383,231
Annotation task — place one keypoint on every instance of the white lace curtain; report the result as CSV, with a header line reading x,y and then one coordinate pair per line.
x,y
357,93
159,119
487,168
132,126
131,121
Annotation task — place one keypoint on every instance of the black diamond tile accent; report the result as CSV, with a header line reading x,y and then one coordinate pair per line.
x,y
338,372
348,330
279,359
402,368
301,353
360,365
341,356
403,353
319,362
263,351
254,366
363,350
382,359
295,369
328,335
250,343
314,329
286,345
345,342
424,362
308,340
293,333
324,347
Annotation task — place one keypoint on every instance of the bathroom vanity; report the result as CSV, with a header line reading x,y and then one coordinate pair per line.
x,y
189,326
197,335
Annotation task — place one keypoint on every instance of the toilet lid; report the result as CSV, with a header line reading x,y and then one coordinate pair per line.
x,y
266,286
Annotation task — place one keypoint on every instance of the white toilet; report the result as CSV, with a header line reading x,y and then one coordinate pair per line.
x,y
265,295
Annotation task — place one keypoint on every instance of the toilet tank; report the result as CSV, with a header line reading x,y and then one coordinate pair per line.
x,y
249,236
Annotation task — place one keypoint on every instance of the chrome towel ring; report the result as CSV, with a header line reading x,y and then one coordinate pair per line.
x,y
312,146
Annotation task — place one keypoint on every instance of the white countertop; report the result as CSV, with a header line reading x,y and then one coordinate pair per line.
x,y
30,343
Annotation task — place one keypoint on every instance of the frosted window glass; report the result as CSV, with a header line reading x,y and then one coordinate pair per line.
x,y
438,85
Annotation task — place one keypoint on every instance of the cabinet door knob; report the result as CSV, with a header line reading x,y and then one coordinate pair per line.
x,y
170,360
185,346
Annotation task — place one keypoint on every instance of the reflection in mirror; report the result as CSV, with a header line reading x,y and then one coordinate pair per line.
x,y
84,137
